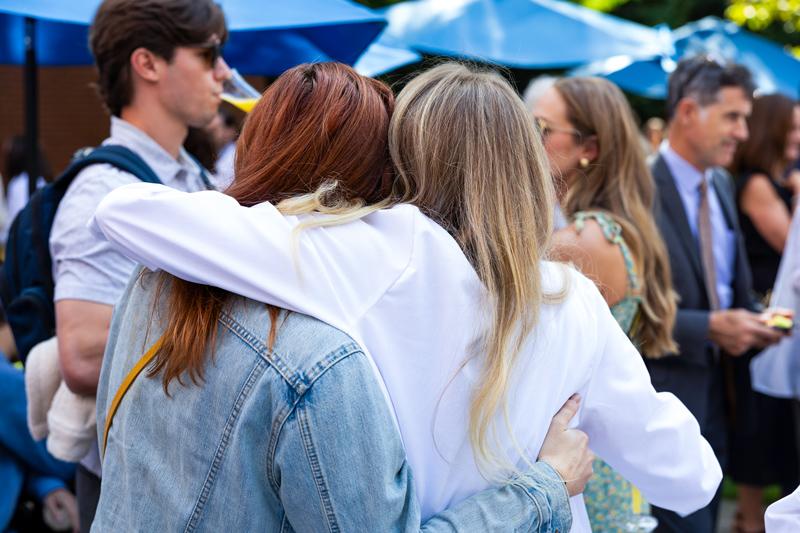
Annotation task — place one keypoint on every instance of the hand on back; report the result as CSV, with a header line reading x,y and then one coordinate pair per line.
x,y
567,450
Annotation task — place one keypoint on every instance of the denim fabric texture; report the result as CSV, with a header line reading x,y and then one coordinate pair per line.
x,y
294,438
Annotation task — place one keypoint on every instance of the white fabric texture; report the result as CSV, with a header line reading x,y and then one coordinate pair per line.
x,y
776,370
783,516
72,425
402,288
42,378
65,418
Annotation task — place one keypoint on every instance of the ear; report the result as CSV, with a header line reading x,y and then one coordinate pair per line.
x,y
145,64
687,110
590,149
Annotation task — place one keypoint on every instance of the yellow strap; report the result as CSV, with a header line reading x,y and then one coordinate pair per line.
x,y
636,502
126,384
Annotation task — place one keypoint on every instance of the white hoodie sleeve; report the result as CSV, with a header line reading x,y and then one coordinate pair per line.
x,y
649,437
783,516
332,273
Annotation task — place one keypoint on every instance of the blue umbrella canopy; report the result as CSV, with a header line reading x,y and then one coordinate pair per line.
x,y
773,69
517,33
385,55
266,36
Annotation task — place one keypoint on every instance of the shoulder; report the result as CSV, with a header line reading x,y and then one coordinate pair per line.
x,y
588,247
406,232
759,192
598,257
305,348
570,294
757,183
659,167
567,280
83,196
91,185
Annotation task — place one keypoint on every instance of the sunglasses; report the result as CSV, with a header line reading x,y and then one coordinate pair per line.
x,y
546,129
211,51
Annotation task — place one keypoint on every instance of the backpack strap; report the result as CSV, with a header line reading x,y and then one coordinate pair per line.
x,y
118,156
203,173
133,373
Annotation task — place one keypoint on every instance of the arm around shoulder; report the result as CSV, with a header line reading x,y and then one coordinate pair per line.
x,y
256,251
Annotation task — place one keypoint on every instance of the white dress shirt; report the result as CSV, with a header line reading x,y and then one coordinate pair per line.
x,y
402,288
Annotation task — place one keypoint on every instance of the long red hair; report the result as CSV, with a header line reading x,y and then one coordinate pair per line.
x,y
317,123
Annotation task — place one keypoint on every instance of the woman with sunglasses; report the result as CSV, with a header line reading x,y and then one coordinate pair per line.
x,y
476,337
606,192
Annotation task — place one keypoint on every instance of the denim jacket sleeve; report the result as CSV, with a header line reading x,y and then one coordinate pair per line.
x,y
340,466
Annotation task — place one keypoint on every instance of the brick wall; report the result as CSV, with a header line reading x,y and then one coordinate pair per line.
x,y
70,114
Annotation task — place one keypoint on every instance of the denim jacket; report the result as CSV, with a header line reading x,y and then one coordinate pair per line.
x,y
294,438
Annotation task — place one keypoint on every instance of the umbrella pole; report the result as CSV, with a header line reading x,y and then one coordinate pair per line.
x,y
31,105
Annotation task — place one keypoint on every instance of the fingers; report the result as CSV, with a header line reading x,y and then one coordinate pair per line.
x,y
781,311
764,336
567,411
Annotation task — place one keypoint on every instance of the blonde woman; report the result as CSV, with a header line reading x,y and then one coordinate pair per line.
x,y
477,339
607,194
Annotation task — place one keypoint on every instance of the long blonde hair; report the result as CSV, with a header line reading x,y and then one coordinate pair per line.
x,y
620,183
468,156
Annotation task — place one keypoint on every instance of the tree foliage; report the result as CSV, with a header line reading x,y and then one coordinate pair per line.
x,y
778,20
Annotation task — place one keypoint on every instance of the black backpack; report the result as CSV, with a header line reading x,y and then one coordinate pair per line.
x,y
26,281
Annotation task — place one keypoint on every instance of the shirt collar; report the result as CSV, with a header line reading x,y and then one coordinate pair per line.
x,y
687,176
163,164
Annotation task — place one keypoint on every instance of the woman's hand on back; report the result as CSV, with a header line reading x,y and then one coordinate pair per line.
x,y
567,450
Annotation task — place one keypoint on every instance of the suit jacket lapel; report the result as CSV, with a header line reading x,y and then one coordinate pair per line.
x,y
722,186
672,205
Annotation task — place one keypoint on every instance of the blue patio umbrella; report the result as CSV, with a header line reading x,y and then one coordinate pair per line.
x,y
517,33
266,37
773,69
384,55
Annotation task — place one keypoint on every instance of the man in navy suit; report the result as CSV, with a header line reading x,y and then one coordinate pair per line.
x,y
707,107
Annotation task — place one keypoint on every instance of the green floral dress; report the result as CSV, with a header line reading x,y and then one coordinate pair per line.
x,y
610,499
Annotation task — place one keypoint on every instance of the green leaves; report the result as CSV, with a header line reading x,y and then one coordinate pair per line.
x,y
602,5
769,16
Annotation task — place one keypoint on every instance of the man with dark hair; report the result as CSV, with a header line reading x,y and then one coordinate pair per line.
x,y
707,108
159,73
